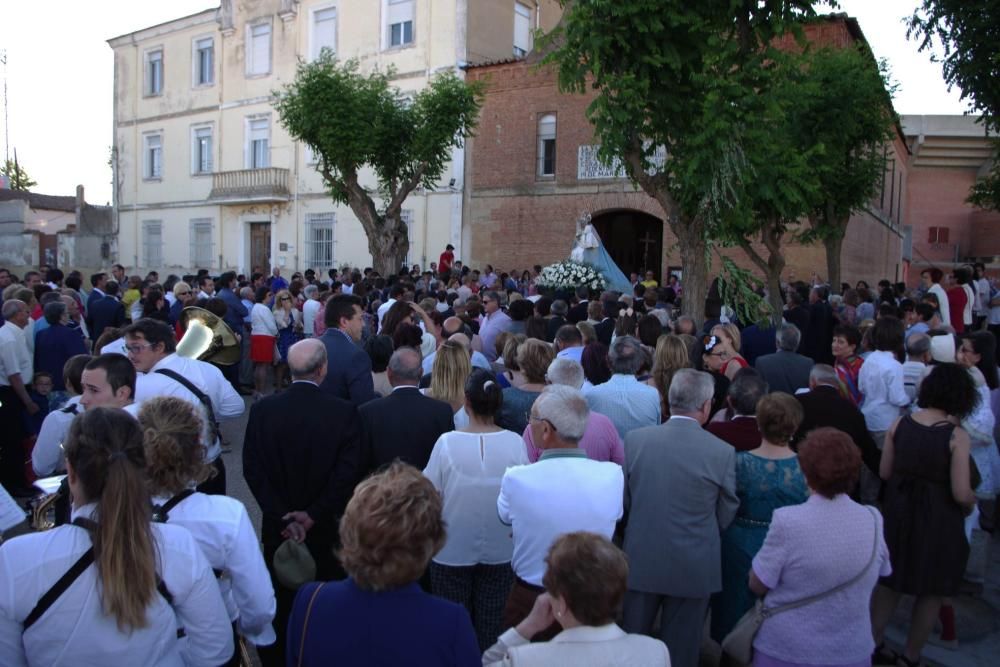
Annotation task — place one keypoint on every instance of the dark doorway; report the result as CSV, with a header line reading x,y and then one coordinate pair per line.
x,y
633,239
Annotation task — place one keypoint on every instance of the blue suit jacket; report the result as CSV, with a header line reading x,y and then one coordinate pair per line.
x,y
352,624
104,312
53,347
235,310
348,371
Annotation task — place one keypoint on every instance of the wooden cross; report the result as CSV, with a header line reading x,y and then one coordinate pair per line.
x,y
647,240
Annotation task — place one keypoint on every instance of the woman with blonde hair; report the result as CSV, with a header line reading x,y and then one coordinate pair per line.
x,y
670,356
451,369
175,465
289,322
533,359
112,587
729,337
379,615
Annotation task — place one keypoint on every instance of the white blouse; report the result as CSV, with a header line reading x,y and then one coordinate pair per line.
x,y
76,631
466,468
262,321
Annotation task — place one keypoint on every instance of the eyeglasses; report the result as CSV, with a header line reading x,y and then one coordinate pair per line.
x,y
136,348
530,418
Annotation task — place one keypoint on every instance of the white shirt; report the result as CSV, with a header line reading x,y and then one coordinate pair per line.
x,y
575,353
466,468
881,383
382,310
310,309
913,374
76,632
982,296
562,492
347,289
14,356
222,529
47,456
262,322
628,403
970,297
116,347
225,401
943,311
170,297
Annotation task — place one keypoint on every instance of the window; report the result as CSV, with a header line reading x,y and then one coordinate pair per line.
x,y
153,156
399,20
937,234
406,215
152,244
324,31
201,149
154,72
547,145
522,29
312,158
319,240
258,153
201,243
258,49
203,60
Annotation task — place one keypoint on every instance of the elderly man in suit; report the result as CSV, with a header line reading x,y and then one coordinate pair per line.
x,y
405,424
349,369
680,494
300,460
785,370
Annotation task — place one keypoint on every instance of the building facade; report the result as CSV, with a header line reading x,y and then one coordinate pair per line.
x,y
532,170
204,174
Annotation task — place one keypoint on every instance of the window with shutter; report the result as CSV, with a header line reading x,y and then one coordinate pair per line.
x,y
547,145
399,22
258,143
522,29
204,61
406,215
324,31
201,150
153,167
942,234
319,240
154,72
258,49
152,244
201,243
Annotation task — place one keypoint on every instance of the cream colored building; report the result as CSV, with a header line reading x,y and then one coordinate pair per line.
x,y
206,177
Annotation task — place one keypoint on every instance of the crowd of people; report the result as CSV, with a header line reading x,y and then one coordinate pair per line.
x,y
499,472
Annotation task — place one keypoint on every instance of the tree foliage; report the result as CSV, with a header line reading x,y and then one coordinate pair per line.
x,y
16,174
355,121
678,75
968,32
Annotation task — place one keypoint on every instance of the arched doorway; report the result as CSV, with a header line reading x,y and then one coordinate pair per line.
x,y
633,239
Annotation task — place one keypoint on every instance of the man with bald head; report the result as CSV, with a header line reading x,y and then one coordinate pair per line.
x,y
405,424
300,460
453,328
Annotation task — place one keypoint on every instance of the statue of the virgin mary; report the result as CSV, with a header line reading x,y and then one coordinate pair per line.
x,y
590,250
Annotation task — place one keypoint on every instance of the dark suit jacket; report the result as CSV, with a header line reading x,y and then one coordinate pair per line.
x,y
785,371
824,406
816,342
103,313
349,369
300,453
740,432
605,330
91,298
799,316
235,310
577,313
554,323
404,425
757,342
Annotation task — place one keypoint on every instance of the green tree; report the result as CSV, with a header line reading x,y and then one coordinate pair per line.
x,y
844,105
969,34
671,74
354,121
19,179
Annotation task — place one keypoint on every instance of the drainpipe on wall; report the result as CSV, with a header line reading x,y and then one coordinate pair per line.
x,y
136,231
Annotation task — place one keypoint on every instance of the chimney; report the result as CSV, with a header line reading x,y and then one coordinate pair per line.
x,y
80,203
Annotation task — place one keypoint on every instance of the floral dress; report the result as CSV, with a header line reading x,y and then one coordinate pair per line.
x,y
847,378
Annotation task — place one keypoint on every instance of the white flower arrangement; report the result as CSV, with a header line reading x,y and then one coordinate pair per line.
x,y
569,275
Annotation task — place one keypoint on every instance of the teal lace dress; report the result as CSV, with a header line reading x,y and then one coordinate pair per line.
x,y
763,485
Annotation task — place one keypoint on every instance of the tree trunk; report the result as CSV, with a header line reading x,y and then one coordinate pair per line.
x,y
833,245
389,246
775,297
691,240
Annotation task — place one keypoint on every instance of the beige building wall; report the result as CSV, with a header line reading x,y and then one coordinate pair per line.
x,y
181,216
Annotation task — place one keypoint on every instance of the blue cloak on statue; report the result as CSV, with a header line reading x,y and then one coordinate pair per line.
x,y
590,250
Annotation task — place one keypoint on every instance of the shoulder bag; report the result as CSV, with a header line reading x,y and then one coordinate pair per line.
x,y
738,644
305,622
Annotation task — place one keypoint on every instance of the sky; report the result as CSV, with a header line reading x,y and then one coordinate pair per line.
x,y
60,72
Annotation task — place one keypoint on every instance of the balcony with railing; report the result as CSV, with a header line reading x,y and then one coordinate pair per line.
x,y
269,184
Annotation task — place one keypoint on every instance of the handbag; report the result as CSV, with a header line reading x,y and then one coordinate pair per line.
x,y
305,622
738,644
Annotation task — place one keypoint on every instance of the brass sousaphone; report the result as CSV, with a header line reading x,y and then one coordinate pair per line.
x,y
207,338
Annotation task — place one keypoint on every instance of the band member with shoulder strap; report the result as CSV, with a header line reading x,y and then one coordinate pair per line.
x,y
123,603
175,464
151,348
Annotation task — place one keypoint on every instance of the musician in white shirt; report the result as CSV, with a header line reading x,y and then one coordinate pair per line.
x,y
144,583
151,348
220,525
